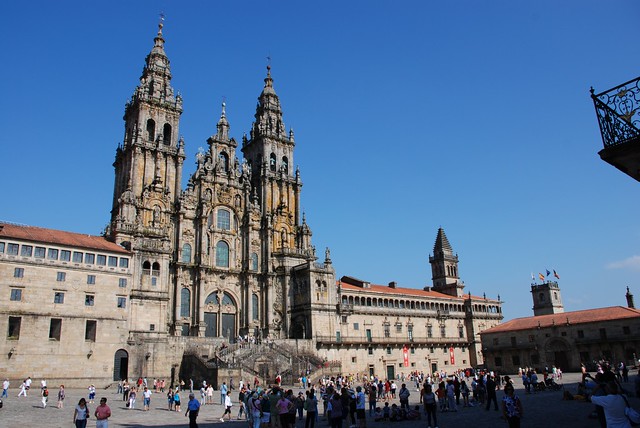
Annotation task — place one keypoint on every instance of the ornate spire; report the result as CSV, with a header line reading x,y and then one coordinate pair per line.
x,y
268,112
223,124
442,245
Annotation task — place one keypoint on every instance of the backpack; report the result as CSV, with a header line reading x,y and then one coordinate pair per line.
x,y
45,393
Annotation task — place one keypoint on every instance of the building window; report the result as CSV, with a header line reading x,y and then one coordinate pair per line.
x,y
532,338
89,299
18,273
513,341
40,252
54,328
272,162
124,262
564,333
338,337
413,350
222,254
122,282
52,254
580,334
429,331
113,261
101,260
27,251
14,327
224,220
344,319
354,359
461,332
151,125
58,297
254,262
186,253
603,333
443,331
398,328
388,350
254,307
89,258
16,294
185,330
122,302
152,327
77,257
584,356
61,276
498,361
1,247
91,279
626,329
370,350
515,360
65,255
410,332
356,326
154,281
155,269
12,249
90,330
387,330
185,301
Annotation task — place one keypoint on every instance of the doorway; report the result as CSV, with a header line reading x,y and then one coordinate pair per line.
x,y
121,365
211,320
391,371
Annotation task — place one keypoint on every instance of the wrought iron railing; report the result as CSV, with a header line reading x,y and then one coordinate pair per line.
x,y
618,111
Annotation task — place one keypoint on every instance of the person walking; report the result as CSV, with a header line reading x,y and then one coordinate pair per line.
x,y
360,408
223,392
146,395
429,402
311,406
491,393
176,400
132,398
61,395
193,407
81,413
45,397
102,413
511,407
5,388
227,406
23,389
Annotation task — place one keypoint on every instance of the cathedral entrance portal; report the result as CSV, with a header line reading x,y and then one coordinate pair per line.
x,y
229,327
220,316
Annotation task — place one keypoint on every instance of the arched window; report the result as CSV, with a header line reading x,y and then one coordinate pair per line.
x,y
155,269
254,262
185,300
285,164
146,268
272,162
222,254
151,85
212,299
254,307
228,300
541,296
166,134
224,220
151,130
186,253
224,161
555,296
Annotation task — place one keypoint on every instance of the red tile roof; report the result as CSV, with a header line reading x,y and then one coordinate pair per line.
x,y
574,317
58,237
384,289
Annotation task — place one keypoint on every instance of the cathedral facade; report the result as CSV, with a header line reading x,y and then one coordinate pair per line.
x,y
183,271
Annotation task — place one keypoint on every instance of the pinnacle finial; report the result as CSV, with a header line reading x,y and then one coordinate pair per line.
x,y
161,24
224,107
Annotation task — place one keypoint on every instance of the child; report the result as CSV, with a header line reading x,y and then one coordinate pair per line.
x,y
386,412
413,415
377,416
395,414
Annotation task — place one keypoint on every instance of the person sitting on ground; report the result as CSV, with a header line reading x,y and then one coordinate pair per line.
x,y
377,416
395,413
414,414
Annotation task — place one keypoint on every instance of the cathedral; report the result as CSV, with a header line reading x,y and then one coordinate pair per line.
x,y
187,272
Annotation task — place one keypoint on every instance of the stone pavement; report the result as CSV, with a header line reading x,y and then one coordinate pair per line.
x,y
544,409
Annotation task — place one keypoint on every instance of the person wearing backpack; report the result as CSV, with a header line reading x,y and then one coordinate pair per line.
x,y
404,397
429,402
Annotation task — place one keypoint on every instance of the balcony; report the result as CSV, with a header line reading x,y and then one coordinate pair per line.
x,y
618,112
391,341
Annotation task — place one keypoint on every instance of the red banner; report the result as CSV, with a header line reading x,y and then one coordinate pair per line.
x,y
452,357
405,355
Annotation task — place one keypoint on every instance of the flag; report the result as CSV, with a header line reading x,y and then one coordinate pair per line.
x,y
548,273
541,276
555,274
533,278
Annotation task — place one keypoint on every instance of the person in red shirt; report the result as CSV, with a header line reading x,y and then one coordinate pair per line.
x,y
102,413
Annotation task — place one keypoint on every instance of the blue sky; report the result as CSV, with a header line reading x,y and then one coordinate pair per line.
x,y
470,115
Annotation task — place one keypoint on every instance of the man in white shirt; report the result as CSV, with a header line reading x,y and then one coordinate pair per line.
x,y
5,388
